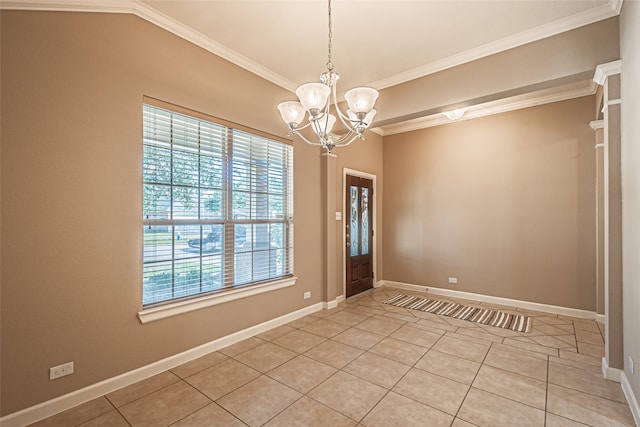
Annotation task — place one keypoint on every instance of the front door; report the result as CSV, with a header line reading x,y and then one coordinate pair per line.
x,y
359,235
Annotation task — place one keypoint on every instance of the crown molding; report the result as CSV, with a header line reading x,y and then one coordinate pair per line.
x,y
547,96
155,17
150,14
543,31
603,71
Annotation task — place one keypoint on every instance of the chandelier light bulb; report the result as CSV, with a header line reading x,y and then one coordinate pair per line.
x,y
313,97
361,99
292,112
324,125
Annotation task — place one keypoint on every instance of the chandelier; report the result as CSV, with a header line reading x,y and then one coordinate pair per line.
x,y
315,99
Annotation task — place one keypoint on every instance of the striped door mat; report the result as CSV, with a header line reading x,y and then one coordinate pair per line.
x,y
484,316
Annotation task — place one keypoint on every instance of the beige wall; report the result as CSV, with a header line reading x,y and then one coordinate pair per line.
x,y
504,203
630,90
72,90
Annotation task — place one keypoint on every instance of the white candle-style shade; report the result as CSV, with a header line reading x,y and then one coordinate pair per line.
x,y
313,96
361,99
292,112
324,125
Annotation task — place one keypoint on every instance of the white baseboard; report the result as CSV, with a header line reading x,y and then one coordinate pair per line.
x,y
68,401
378,284
553,309
612,374
600,318
631,398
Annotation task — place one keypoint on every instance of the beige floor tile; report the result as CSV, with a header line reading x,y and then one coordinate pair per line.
x,y
486,409
347,317
268,397
380,325
110,419
274,333
141,388
575,364
400,351
222,378
438,392
551,320
589,337
79,414
438,325
409,318
398,411
583,358
417,336
500,332
587,408
569,339
306,412
304,321
522,362
526,344
586,325
200,364
558,421
553,342
242,346
302,373
325,328
376,369
461,423
477,333
367,311
298,340
588,381
552,330
358,338
601,328
507,384
348,394
591,349
164,406
334,354
210,415
449,366
266,357
466,349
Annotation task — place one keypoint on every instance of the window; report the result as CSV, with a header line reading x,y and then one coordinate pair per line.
x,y
217,206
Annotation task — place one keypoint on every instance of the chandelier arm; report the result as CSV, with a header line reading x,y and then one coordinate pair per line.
x,y
318,144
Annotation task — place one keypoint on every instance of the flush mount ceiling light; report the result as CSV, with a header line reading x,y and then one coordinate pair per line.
x,y
455,114
315,99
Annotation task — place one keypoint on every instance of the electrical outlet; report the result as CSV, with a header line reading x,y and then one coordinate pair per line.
x,y
632,366
307,295
453,280
60,371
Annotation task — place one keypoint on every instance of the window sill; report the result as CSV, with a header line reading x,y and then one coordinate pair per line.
x,y
180,307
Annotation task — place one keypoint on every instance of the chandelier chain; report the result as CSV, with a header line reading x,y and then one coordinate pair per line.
x,y
329,63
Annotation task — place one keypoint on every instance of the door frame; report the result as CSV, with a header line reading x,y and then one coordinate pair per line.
x,y
360,174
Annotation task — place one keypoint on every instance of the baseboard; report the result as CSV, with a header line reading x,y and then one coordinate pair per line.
x,y
378,284
553,309
600,318
68,401
631,398
612,374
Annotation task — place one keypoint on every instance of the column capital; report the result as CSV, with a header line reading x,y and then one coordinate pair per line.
x,y
603,71
596,124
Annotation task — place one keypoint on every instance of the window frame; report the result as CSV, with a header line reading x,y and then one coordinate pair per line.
x,y
229,288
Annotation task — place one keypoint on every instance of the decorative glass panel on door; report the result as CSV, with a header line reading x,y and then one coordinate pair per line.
x,y
365,221
355,216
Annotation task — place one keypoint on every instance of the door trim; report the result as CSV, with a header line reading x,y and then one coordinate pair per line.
x,y
360,174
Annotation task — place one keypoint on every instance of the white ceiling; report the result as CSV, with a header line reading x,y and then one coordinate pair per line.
x,y
376,43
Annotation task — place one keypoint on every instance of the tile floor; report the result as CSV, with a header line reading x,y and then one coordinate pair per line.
x,y
369,364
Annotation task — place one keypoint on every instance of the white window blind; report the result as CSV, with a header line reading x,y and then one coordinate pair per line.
x,y
217,206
